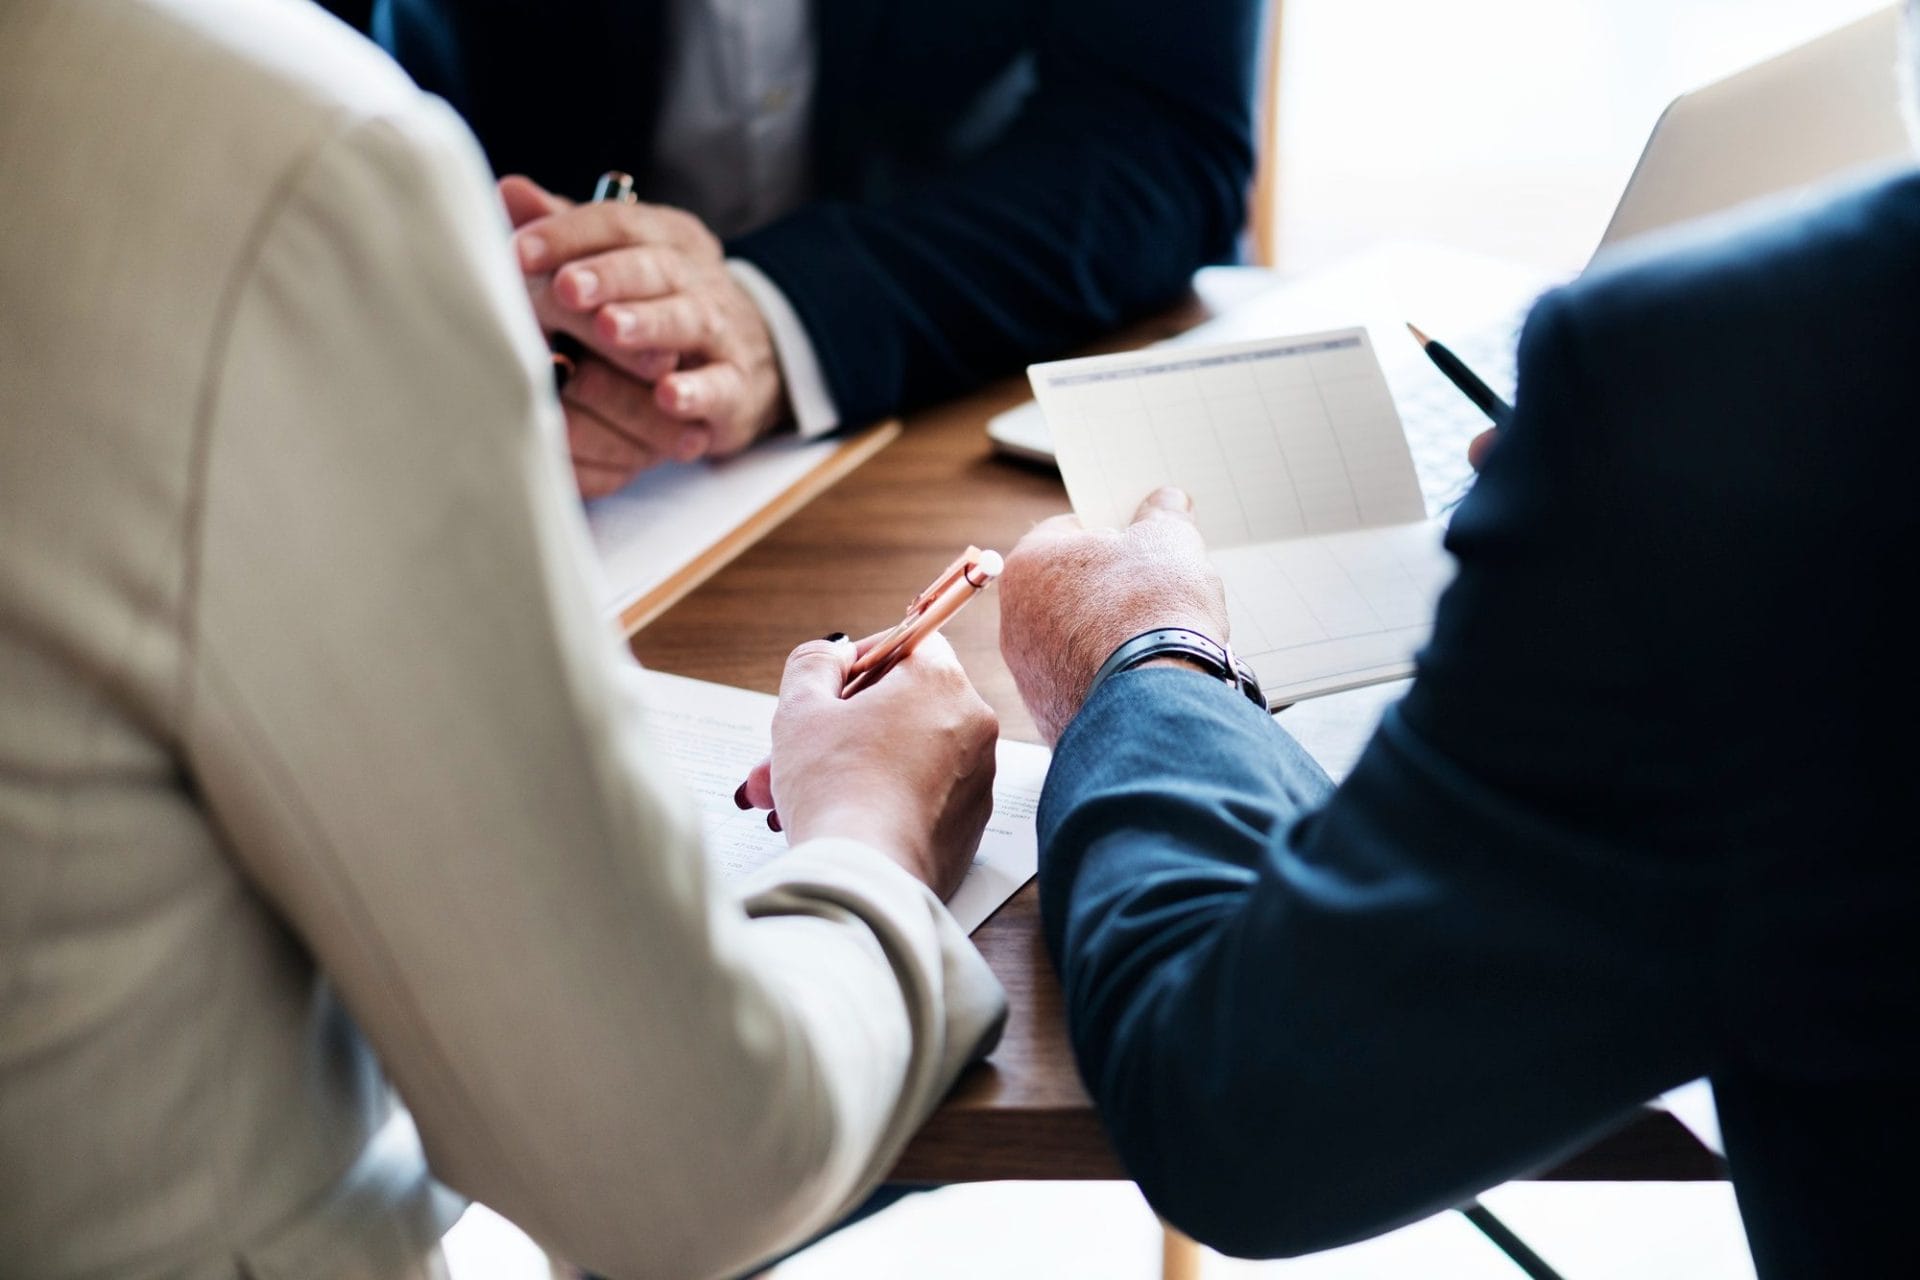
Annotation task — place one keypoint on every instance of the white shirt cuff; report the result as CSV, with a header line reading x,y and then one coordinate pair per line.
x,y
814,411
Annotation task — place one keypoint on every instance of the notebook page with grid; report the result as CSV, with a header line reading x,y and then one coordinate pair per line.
x,y
1302,482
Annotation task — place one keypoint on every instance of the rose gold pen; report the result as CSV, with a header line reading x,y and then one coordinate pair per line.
x,y
971,573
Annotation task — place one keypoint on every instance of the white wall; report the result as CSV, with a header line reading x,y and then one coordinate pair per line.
x,y
1506,126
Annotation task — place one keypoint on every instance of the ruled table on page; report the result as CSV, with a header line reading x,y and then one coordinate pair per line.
x,y
1302,482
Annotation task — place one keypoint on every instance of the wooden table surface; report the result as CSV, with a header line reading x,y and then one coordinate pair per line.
x,y
849,562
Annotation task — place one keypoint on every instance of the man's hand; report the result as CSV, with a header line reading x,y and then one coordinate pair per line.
x,y
905,766
1481,447
682,364
1072,595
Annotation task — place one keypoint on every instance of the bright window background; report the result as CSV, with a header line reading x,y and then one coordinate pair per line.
x,y
1504,126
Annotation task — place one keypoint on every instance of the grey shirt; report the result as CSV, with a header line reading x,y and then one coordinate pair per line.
x,y
732,140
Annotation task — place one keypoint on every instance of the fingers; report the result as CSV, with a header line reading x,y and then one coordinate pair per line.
x,y
633,273
757,791
931,671
526,200
817,671
678,322
713,393
622,408
596,478
1164,501
934,654
604,456
1482,447
548,243
647,366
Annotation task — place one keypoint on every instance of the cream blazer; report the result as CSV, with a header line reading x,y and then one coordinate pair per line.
x,y
319,771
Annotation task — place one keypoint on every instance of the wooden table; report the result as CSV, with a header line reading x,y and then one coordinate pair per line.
x,y
849,562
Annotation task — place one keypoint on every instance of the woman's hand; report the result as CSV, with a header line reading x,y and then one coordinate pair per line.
x,y
905,766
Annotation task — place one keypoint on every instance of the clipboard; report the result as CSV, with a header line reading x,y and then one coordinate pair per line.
x,y
676,526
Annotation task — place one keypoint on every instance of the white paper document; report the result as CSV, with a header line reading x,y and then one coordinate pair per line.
x,y
1473,303
670,515
713,734
1301,480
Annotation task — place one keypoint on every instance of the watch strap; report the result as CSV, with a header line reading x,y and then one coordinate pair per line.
x,y
1179,642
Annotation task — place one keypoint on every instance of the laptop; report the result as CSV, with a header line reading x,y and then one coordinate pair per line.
x,y
1823,114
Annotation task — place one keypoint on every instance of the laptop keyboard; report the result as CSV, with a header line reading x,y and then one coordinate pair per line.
x,y
1440,421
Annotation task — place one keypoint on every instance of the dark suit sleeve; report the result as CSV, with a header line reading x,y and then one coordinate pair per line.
x,y
1126,170
1310,1015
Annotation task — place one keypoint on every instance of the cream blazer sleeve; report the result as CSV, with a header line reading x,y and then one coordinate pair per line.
x,y
421,742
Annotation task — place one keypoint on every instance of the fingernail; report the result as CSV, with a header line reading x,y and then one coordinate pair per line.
x,y
1173,498
586,284
740,800
625,324
836,637
693,443
533,252
773,820
683,397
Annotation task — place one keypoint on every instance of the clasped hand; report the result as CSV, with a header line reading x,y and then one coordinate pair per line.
x,y
680,363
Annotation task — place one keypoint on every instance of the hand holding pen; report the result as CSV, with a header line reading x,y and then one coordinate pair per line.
x,y
867,661
971,573
1489,402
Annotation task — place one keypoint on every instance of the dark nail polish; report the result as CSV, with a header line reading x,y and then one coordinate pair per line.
x,y
773,820
835,638
740,797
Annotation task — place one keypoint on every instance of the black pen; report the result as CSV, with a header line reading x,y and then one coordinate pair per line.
x,y
568,350
1464,378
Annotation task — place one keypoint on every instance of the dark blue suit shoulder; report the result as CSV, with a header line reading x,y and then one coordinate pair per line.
x,y
1843,260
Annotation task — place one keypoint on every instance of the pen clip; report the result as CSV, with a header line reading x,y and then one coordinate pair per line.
x,y
616,187
971,572
964,566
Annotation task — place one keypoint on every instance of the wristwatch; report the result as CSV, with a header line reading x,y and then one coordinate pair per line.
x,y
1178,642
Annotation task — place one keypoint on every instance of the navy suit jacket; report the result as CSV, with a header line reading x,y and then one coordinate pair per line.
x,y
1647,813
997,181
